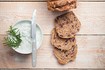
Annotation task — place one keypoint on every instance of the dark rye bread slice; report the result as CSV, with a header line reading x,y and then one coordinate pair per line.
x,y
61,5
64,57
67,25
60,43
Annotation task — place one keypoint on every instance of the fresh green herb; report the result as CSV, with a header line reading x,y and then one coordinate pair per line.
x,y
14,38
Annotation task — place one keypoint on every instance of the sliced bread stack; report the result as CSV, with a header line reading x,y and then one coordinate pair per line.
x,y
66,27
63,37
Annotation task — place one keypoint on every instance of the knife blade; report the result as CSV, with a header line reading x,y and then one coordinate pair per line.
x,y
33,35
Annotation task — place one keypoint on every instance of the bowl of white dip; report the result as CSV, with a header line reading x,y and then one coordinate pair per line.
x,y
24,27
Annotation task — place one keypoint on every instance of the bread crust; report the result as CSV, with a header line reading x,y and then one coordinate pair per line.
x,y
67,25
61,5
60,43
64,57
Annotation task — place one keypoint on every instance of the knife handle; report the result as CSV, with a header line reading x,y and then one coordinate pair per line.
x,y
34,54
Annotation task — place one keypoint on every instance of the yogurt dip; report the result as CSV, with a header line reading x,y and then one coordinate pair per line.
x,y
24,28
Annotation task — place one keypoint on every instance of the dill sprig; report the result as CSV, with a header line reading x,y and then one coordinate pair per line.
x,y
14,38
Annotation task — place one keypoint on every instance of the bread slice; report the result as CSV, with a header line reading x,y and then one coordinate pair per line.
x,y
60,43
67,25
61,5
64,57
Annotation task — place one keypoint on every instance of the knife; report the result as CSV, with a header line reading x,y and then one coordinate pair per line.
x,y
33,35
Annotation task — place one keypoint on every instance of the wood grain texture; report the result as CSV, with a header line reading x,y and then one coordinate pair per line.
x,y
22,69
49,69
91,49
90,55
90,14
46,0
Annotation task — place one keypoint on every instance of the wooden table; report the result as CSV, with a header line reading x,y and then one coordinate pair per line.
x,y
91,43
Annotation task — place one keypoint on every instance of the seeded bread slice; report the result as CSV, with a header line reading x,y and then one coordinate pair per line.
x,y
67,25
60,43
61,5
64,57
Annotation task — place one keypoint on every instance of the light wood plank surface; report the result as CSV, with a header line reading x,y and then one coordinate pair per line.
x,y
90,55
91,49
91,15
48,69
46,0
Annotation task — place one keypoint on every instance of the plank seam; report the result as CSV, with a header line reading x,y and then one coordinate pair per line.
x,y
40,1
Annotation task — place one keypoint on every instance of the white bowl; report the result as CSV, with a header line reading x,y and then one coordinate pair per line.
x,y
27,48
